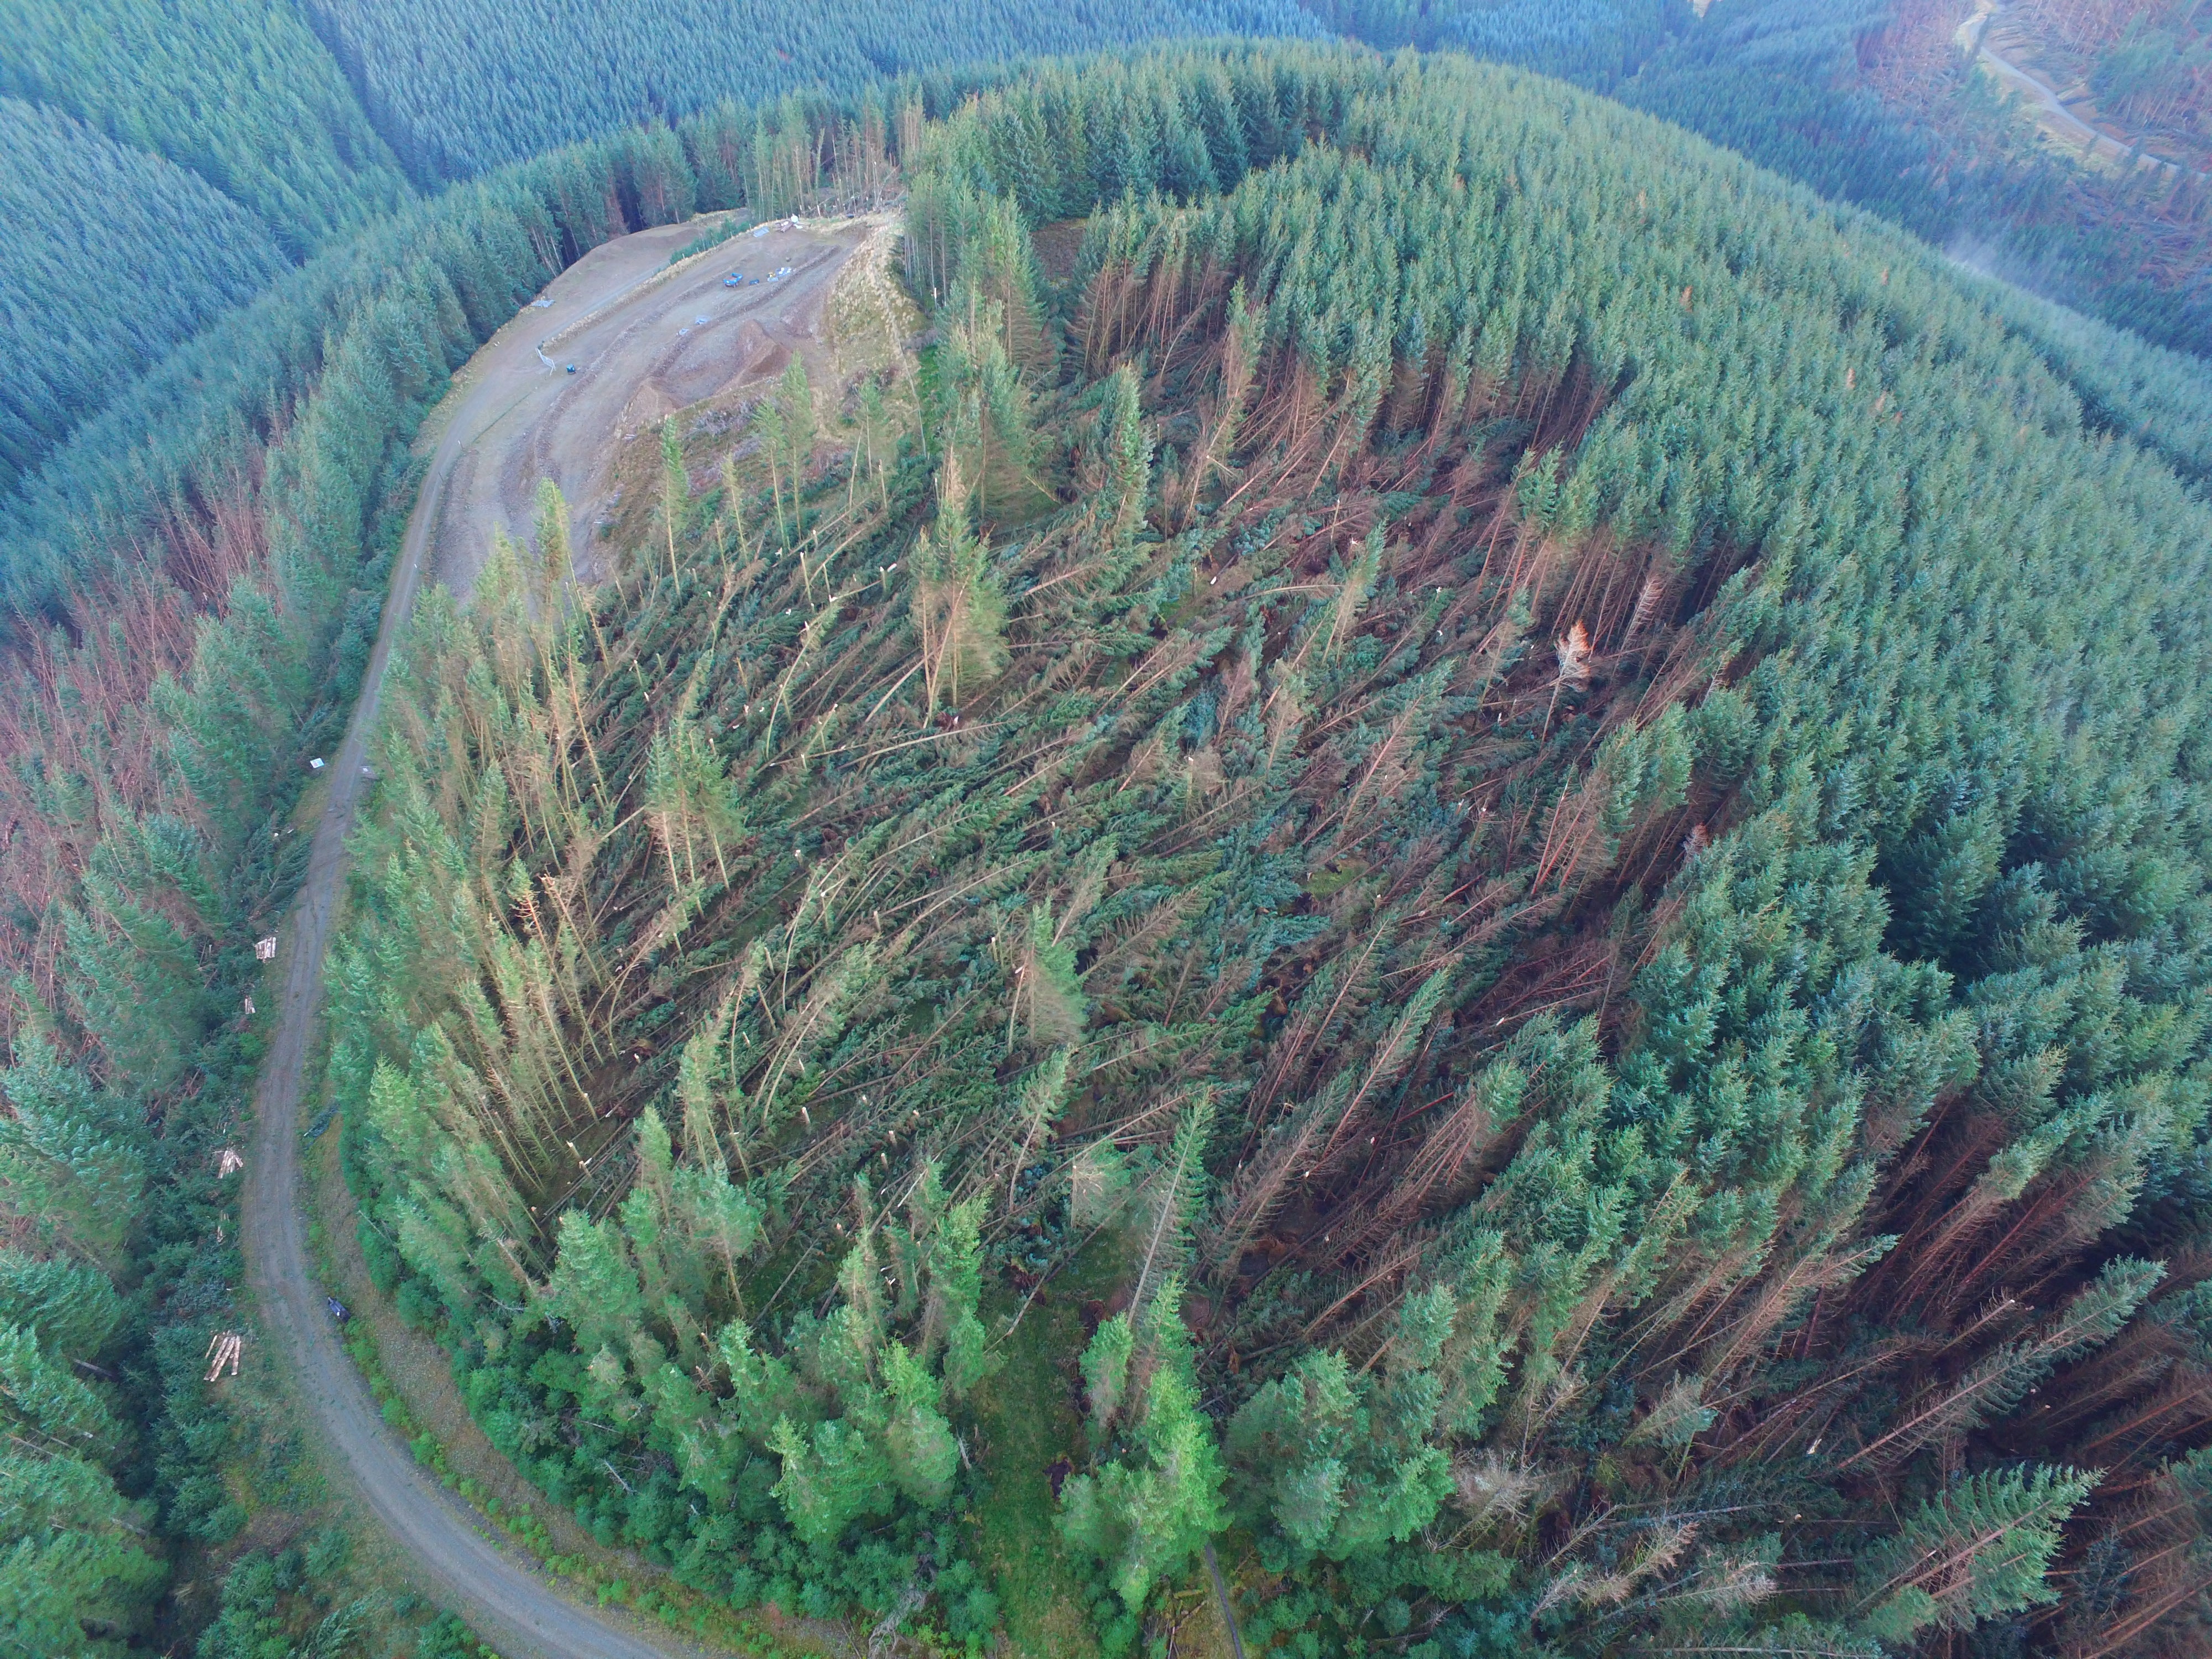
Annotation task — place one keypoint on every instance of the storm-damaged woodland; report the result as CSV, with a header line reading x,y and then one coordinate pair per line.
x,y
1459,850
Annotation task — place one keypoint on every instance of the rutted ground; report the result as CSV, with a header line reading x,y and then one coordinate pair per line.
x,y
644,345
510,420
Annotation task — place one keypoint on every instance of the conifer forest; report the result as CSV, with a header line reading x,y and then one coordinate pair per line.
x,y
1400,843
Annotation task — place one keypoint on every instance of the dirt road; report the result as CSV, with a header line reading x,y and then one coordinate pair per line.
x,y
509,421
1992,43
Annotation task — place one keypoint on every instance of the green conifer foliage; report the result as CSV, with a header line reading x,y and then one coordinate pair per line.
x,y
1545,866
1979,1550
461,88
1156,1497
959,612
113,257
239,92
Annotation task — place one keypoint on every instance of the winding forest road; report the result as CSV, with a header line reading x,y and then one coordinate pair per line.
x,y
678,338
2044,96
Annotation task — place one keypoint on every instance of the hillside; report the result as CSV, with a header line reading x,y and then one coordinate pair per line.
x,y
1475,863
1875,102
161,166
114,256
306,125
216,549
2145,62
317,117
238,92
1395,821
458,87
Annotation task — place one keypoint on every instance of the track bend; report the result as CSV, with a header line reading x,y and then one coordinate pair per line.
x,y
2039,92
631,335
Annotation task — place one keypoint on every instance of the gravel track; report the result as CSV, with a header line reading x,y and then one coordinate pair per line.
x,y
509,421
2018,77
644,345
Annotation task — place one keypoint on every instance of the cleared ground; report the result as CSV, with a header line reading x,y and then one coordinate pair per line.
x,y
644,345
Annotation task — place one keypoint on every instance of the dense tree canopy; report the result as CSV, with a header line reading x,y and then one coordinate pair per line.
x,y
197,588
1592,41
458,87
303,113
1517,821
1872,101
117,257
113,257
238,91
1467,849
1868,101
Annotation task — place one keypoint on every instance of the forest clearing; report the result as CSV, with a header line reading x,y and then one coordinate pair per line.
x,y
640,354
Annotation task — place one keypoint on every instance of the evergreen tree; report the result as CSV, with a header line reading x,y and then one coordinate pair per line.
x,y
1151,1505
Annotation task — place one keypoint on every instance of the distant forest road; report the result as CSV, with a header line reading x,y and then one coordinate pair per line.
x,y
2040,93
621,328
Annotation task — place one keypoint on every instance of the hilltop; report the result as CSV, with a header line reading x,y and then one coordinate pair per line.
x,y
1475,863
1347,811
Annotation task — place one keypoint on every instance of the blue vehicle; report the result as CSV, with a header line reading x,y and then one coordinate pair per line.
x,y
735,279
